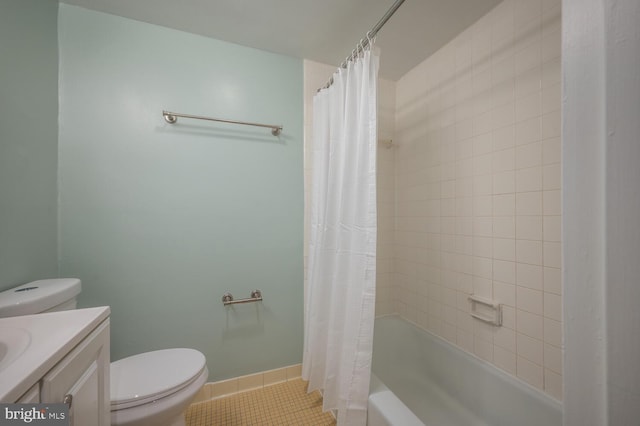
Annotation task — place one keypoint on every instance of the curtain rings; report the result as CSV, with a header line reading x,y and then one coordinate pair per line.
x,y
370,39
358,52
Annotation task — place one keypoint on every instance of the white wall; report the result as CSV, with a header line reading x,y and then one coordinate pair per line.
x,y
601,150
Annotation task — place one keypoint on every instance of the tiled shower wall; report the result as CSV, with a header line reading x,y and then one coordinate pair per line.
x,y
477,185
469,193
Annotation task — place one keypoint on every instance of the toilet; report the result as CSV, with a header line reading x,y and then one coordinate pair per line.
x,y
152,388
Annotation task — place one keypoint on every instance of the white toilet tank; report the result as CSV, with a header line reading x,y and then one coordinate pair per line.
x,y
40,296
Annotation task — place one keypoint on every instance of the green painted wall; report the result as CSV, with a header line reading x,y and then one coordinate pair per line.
x,y
158,220
28,141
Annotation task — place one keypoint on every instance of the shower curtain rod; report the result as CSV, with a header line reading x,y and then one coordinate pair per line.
x,y
365,41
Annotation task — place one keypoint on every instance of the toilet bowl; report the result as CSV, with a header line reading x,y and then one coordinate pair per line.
x,y
155,387
148,389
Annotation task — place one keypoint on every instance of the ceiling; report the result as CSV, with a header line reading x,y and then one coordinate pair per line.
x,y
321,30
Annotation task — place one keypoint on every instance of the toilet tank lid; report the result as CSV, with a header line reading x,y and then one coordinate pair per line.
x,y
37,296
145,377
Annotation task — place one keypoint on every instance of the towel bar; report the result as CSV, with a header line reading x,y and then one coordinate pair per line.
x,y
227,298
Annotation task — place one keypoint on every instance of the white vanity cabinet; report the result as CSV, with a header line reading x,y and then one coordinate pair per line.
x,y
32,396
81,380
65,359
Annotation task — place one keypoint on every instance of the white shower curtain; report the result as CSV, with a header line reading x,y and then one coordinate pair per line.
x,y
340,299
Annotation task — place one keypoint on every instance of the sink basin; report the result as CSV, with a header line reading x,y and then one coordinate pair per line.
x,y
13,342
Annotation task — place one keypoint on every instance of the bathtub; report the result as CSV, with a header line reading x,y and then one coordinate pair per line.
x,y
420,379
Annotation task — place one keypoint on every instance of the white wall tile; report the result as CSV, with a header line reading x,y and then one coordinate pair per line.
x,y
473,204
483,349
463,130
482,287
504,205
482,123
528,251
504,271
551,17
504,182
529,203
529,106
551,98
464,339
552,278
528,82
483,247
529,324
529,227
551,46
551,151
483,205
552,202
482,144
529,348
551,72
526,11
550,4
552,254
552,228
509,317
552,306
529,155
530,372
505,249
505,294
553,358
482,166
482,80
528,57
551,177
504,359
529,276
504,137
529,179
529,300
504,160
553,384
553,332
483,267
504,227
551,125
529,131
503,91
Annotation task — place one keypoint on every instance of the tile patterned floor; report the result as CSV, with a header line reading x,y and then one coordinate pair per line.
x,y
285,404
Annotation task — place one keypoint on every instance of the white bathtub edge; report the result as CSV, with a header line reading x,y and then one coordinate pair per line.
x,y
386,409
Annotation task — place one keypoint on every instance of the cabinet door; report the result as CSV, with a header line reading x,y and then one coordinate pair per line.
x,y
32,396
84,403
81,380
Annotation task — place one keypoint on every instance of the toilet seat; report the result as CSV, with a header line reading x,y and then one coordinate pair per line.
x,y
149,376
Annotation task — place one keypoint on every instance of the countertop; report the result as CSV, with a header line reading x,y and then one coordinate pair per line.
x,y
53,335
